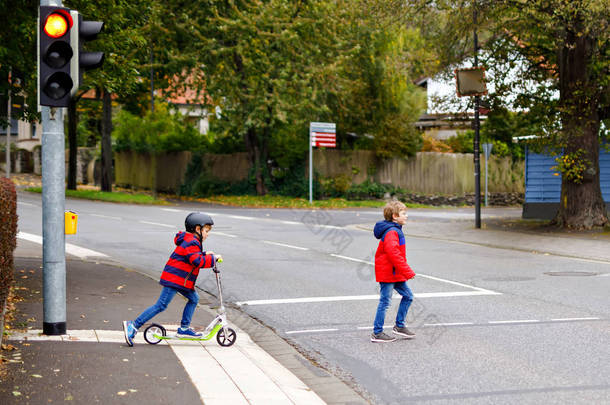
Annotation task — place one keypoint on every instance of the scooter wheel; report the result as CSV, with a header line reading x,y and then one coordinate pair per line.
x,y
227,340
152,332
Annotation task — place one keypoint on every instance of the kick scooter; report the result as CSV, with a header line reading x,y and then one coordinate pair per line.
x,y
225,336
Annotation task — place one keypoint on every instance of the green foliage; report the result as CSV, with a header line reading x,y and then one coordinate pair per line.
x,y
462,143
8,236
161,131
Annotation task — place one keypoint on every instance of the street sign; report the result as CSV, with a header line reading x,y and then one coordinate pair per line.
x,y
470,82
323,134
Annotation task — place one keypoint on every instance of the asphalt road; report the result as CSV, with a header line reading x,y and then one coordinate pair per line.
x,y
491,326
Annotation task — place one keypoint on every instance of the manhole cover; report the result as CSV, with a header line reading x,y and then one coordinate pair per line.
x,y
571,273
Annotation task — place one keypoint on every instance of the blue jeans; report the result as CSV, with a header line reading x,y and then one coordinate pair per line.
x,y
385,297
167,295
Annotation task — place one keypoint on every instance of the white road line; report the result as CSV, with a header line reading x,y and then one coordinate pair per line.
x,y
106,216
449,324
515,321
242,217
482,290
241,374
575,319
359,298
290,332
291,223
284,245
70,248
352,259
28,204
158,224
224,234
171,210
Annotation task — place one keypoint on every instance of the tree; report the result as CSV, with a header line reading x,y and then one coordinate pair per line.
x,y
562,42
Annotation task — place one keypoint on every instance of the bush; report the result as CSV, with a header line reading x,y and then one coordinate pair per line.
x,y
161,131
8,240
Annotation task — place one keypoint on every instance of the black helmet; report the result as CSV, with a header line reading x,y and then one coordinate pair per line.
x,y
197,218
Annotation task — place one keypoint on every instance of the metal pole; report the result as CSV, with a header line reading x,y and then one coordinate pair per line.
x,y
310,168
53,207
7,168
486,160
477,160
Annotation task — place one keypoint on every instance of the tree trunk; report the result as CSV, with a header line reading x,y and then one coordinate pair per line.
x,y
72,143
106,142
582,205
257,158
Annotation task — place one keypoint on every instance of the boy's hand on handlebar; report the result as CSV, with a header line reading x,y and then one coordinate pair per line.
x,y
218,258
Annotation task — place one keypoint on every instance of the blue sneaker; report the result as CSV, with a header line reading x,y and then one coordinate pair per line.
x,y
188,332
130,332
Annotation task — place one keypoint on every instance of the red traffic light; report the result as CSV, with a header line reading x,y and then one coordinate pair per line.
x,y
56,25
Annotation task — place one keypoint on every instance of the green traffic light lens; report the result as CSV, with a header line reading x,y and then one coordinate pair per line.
x,y
58,54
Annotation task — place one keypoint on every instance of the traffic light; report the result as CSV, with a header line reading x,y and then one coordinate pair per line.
x,y
55,54
82,32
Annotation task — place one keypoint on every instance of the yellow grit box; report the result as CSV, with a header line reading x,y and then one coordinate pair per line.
x,y
70,220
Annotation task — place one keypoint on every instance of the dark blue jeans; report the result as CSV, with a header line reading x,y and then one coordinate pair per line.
x,y
385,297
167,295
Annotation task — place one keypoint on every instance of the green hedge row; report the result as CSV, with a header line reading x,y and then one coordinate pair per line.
x,y
8,236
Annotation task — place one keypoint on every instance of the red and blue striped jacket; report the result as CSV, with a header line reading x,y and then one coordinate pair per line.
x,y
182,268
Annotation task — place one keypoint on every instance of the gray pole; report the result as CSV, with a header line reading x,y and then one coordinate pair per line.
x,y
310,168
477,159
7,168
53,207
486,161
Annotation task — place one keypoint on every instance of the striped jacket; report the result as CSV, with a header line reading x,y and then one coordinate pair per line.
x,y
182,268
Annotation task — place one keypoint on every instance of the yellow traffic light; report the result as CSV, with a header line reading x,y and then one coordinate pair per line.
x,y
56,25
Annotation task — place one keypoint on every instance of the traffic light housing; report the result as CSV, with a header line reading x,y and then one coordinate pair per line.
x,y
84,31
55,54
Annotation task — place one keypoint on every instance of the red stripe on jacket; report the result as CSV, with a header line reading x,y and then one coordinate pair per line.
x,y
182,267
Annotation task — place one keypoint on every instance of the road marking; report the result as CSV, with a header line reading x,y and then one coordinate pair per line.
x,y
352,259
106,216
574,319
359,298
449,324
442,280
225,234
241,374
242,217
171,210
158,224
290,332
515,321
284,245
70,248
28,204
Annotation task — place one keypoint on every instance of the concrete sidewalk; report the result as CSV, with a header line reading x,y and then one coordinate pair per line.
x,y
92,363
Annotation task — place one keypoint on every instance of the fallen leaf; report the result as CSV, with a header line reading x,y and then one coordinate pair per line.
x,y
121,287
36,376
82,316
122,393
17,393
132,390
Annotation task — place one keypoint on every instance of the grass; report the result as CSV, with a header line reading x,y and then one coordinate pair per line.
x,y
267,201
274,201
115,197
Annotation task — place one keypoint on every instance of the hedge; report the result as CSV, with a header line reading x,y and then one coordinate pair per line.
x,y
8,241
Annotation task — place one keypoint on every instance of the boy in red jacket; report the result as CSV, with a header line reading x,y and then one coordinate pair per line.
x,y
179,275
392,271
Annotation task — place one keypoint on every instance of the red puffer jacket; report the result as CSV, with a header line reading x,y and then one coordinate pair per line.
x,y
390,259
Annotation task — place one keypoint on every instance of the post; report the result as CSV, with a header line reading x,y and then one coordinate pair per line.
x,y
53,206
486,167
7,168
477,159
310,168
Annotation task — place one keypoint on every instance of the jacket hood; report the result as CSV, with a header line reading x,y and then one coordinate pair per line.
x,y
382,227
182,236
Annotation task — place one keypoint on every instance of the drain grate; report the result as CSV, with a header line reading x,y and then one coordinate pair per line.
x,y
571,273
